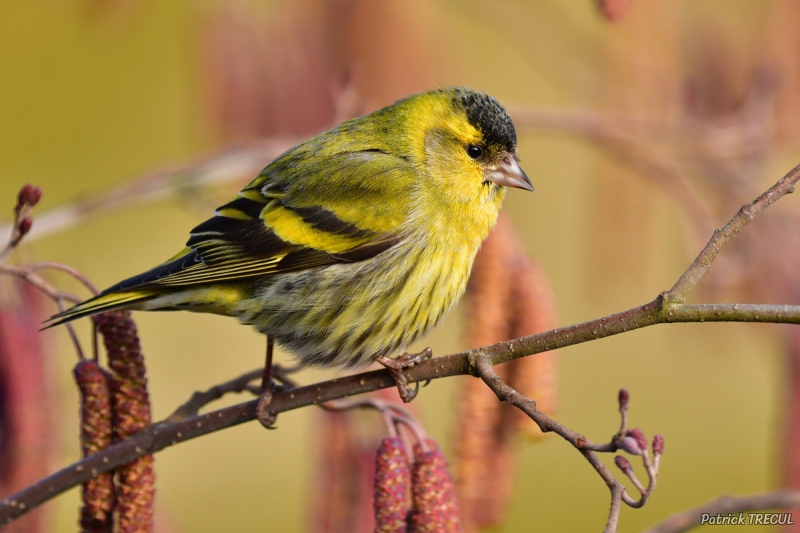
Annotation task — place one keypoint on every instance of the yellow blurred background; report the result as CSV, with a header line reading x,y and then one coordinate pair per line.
x,y
96,92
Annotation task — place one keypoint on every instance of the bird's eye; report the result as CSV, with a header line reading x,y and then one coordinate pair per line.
x,y
475,152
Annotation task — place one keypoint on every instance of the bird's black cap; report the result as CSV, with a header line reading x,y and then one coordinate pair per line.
x,y
490,117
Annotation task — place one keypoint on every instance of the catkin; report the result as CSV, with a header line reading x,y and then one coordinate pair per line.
x,y
131,405
342,482
533,310
392,478
508,297
30,434
435,506
96,434
484,457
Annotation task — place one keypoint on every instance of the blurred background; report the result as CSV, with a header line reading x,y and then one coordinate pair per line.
x,y
643,125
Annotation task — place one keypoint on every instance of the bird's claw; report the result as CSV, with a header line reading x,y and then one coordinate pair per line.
x,y
266,417
397,365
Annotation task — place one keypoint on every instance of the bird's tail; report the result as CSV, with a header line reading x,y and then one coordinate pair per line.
x,y
101,303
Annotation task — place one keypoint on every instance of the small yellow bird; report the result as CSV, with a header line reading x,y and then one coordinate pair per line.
x,y
353,244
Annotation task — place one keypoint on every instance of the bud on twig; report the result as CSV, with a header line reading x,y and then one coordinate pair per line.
x,y
392,477
96,435
35,196
630,445
131,404
658,445
638,435
25,225
623,464
28,195
624,398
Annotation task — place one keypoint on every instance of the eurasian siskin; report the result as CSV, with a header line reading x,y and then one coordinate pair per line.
x,y
353,244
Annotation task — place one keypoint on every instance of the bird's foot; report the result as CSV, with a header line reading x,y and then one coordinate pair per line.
x,y
397,365
266,417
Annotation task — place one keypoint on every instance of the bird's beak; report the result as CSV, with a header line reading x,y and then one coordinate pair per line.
x,y
509,174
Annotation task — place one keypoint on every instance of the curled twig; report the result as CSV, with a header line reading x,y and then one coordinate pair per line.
x,y
483,369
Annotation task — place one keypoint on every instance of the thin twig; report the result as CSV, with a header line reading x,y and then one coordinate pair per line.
x,y
721,238
392,413
237,385
54,294
201,399
686,520
43,265
483,369
233,162
160,436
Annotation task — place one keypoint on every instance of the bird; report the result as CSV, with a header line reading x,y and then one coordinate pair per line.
x,y
351,245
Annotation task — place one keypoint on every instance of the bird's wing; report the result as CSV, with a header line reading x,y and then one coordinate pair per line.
x,y
300,212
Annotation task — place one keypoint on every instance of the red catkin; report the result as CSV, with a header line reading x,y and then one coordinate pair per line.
x,y
658,445
96,434
509,296
433,492
343,477
390,495
131,406
28,400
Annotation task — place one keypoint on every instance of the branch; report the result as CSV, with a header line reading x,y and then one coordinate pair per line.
x,y
231,163
238,385
29,274
483,368
200,399
163,435
720,239
665,308
686,520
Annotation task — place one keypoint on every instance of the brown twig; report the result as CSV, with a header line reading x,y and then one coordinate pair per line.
x,y
721,238
483,368
201,399
392,414
51,265
659,311
236,385
236,161
29,275
686,520
27,198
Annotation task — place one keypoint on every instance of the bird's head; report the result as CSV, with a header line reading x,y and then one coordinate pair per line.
x,y
494,148
470,143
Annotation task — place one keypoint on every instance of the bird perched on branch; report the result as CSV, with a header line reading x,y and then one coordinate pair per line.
x,y
351,245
